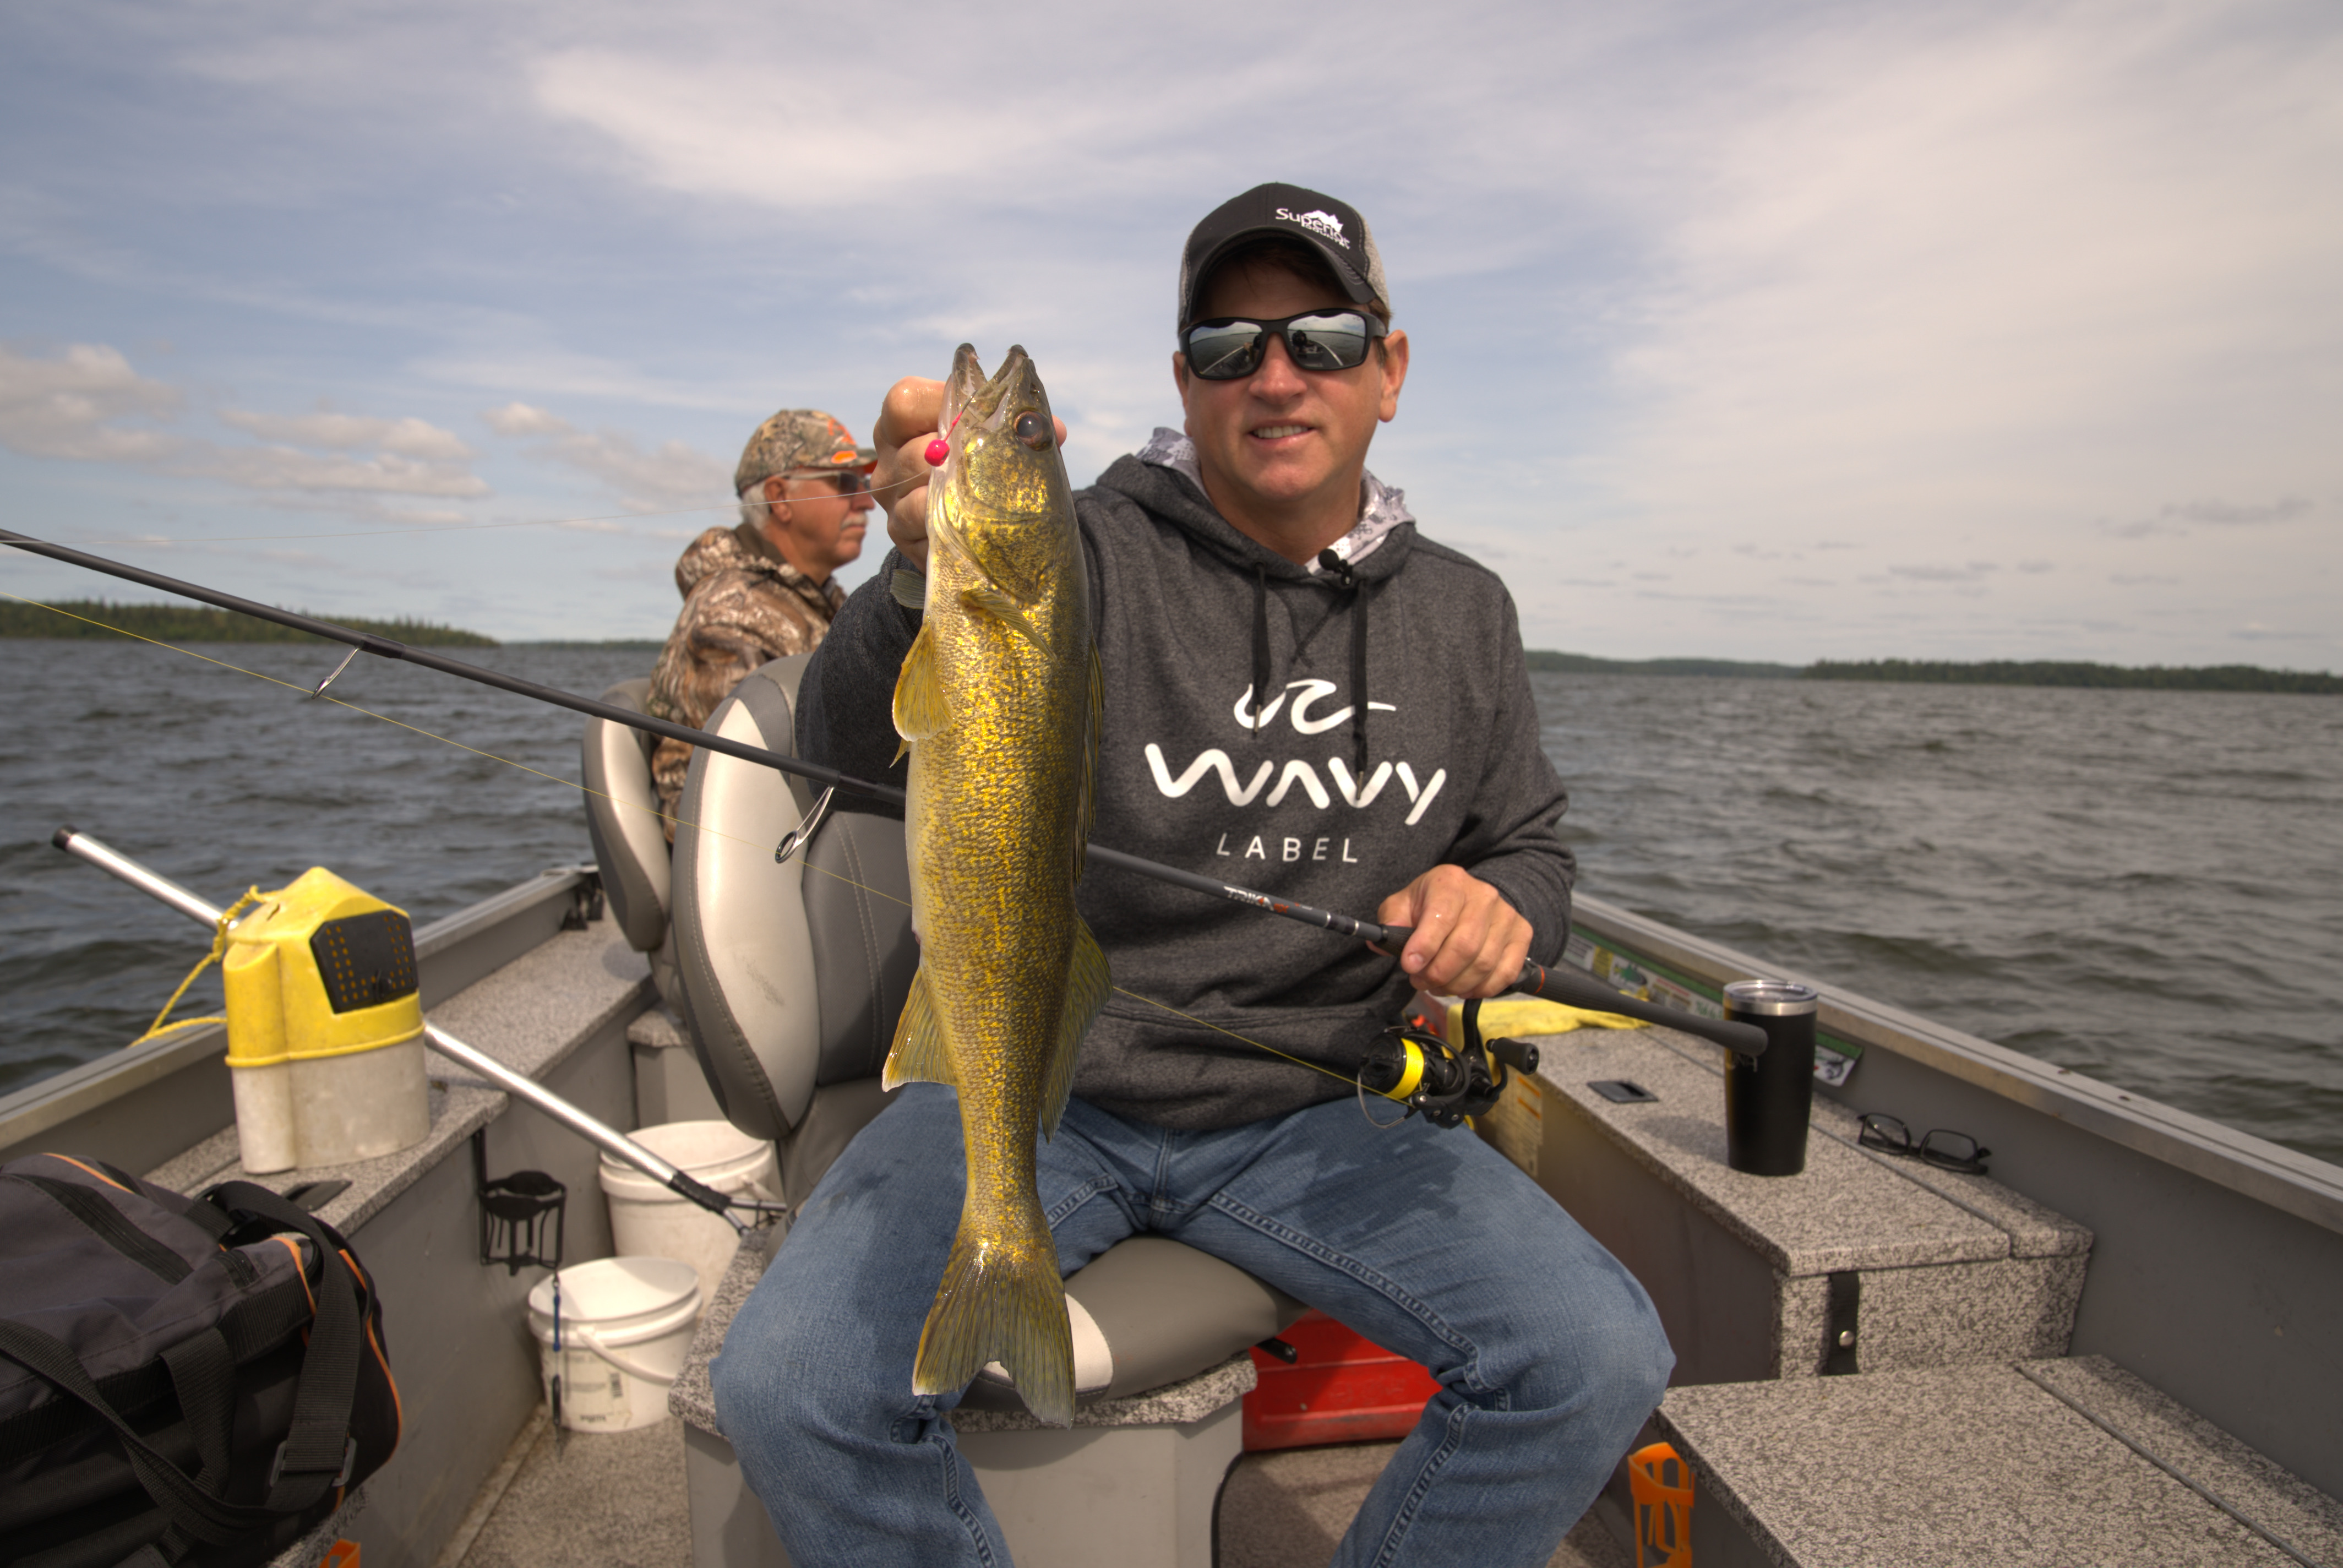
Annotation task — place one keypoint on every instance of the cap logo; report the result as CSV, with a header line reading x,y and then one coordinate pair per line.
x,y
1324,223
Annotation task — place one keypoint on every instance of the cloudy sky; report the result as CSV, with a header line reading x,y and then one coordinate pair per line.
x,y
1769,331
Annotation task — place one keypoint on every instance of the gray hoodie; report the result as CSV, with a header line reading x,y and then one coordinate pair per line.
x,y
1298,794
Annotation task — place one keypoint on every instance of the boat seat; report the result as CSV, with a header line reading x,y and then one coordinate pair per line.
x,y
622,819
2041,1460
794,975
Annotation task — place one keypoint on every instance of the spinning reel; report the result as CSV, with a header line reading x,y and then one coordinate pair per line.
x,y
1446,1081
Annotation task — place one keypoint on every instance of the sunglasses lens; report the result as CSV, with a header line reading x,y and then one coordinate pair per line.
x,y
1335,342
1224,350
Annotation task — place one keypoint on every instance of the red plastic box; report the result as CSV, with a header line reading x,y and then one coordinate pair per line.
x,y
1343,1389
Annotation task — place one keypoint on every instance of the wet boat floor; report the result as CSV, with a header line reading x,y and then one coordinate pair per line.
x,y
616,1499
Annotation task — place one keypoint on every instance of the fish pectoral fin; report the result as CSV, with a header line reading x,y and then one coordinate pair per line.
x,y
909,589
1002,1300
918,1055
920,707
988,599
1087,983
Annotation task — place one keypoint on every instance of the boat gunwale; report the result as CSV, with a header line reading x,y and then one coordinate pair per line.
x,y
450,954
2285,1179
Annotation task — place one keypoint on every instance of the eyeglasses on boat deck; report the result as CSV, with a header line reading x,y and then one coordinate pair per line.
x,y
1230,348
1947,1149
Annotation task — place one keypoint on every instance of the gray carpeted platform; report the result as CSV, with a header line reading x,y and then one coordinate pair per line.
x,y
1288,1509
596,1500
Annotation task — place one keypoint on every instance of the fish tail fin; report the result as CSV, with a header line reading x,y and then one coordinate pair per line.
x,y
1087,984
1002,1300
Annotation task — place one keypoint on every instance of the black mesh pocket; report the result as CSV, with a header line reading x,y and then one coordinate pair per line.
x,y
365,959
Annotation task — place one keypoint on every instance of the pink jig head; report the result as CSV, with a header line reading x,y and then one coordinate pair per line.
x,y
941,448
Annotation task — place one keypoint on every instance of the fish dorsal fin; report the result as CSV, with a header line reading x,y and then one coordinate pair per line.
x,y
987,598
921,709
909,589
1087,984
918,1055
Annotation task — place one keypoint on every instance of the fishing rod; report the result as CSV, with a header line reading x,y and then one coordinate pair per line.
x,y
1535,979
106,858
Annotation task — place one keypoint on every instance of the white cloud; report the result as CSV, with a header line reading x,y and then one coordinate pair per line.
x,y
671,477
73,405
2176,519
283,468
408,437
69,407
1968,572
1995,273
517,418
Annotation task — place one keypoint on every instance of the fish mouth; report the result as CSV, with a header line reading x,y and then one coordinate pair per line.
x,y
962,384
974,403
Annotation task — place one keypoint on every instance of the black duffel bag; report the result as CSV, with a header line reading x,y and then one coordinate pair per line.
x,y
183,1380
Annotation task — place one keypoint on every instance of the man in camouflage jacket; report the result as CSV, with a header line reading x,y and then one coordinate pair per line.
x,y
762,590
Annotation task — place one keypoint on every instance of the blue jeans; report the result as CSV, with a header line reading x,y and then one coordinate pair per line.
x,y
1429,1242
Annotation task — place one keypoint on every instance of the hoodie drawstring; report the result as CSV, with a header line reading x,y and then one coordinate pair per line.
x,y
1344,573
1347,578
1260,647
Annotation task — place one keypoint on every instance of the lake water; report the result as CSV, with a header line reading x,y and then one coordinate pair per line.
x,y
2142,886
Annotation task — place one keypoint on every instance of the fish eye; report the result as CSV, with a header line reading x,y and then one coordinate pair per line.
x,y
1034,431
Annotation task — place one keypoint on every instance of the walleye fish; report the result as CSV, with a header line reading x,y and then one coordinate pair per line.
x,y
999,704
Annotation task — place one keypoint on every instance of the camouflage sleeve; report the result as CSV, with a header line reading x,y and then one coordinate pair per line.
x,y
732,622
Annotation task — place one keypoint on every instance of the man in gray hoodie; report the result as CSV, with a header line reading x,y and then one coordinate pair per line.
x,y
1304,695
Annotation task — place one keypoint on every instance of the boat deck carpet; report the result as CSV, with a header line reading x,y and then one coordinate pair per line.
x,y
616,1499
595,1500
1288,1509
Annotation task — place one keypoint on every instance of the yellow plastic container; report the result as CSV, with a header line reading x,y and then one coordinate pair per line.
x,y
324,1028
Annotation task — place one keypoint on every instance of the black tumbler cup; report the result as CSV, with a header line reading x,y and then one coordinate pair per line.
x,y
1768,1097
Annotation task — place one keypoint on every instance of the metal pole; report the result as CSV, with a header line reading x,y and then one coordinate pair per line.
x,y
591,1127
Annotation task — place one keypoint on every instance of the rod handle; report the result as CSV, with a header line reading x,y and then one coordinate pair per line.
x,y
1568,985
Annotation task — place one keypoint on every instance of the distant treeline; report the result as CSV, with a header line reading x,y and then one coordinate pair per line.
x,y
1993,672
1581,664
184,623
607,645
2065,672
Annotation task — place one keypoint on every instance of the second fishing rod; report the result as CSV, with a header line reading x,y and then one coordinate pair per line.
x,y
1560,985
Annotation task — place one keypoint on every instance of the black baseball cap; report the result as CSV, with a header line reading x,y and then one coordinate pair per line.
x,y
1333,228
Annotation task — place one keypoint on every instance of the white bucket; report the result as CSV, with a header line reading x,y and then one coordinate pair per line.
x,y
649,1219
625,1326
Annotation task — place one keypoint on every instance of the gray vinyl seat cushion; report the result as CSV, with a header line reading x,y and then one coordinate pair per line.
x,y
794,974
623,822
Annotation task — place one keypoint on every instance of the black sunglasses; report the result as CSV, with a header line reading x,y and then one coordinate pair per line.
x,y
1231,348
1948,1150
850,482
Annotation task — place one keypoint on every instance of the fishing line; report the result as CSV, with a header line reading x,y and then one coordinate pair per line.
x,y
387,718
588,790
733,505
1534,978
